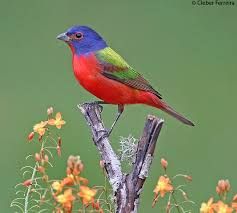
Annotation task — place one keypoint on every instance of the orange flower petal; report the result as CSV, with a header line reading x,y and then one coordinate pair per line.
x,y
51,122
41,131
58,116
163,186
207,207
87,194
62,122
66,199
69,180
57,186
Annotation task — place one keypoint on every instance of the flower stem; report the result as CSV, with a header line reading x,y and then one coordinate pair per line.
x,y
29,189
32,178
175,202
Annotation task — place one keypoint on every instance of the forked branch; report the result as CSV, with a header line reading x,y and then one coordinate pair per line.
x,y
126,187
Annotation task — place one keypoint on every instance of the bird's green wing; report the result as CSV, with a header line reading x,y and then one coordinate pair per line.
x,y
116,68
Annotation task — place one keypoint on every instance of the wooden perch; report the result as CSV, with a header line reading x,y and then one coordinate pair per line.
x,y
126,187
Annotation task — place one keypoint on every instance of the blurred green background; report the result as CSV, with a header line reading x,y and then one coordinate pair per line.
x,y
187,52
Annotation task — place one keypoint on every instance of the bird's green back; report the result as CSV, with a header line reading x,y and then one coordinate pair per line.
x,y
116,68
109,56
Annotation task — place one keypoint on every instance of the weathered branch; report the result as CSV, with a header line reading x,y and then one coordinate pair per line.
x,y
126,187
112,164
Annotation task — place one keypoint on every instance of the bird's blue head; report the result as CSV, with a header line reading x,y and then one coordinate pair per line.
x,y
82,40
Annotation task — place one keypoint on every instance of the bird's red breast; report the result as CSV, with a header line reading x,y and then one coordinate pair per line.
x,y
87,71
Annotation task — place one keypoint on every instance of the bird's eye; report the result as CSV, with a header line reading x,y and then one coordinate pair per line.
x,y
78,35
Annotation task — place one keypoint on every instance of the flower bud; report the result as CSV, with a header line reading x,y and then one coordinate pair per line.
x,y
223,186
227,185
37,157
68,171
46,158
27,183
81,167
218,191
50,111
31,136
41,169
164,163
45,178
96,205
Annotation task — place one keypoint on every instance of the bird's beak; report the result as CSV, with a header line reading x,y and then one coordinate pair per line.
x,y
63,37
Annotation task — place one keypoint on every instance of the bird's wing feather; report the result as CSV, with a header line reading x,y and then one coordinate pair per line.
x,y
116,68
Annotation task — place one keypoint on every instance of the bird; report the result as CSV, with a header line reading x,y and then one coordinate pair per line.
x,y
106,74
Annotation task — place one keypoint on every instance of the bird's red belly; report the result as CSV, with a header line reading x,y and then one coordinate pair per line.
x,y
87,72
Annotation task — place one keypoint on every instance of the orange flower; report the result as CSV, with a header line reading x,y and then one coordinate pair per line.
x,y
163,186
57,186
40,127
58,121
66,199
221,207
87,194
207,207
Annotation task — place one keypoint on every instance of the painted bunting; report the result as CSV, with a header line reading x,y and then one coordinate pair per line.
x,y
105,74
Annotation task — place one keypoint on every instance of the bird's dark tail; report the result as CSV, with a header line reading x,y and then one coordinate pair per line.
x,y
166,108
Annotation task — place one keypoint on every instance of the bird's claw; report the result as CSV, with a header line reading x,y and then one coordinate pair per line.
x,y
105,134
94,103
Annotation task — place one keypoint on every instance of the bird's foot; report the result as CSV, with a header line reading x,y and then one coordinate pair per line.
x,y
93,104
106,134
